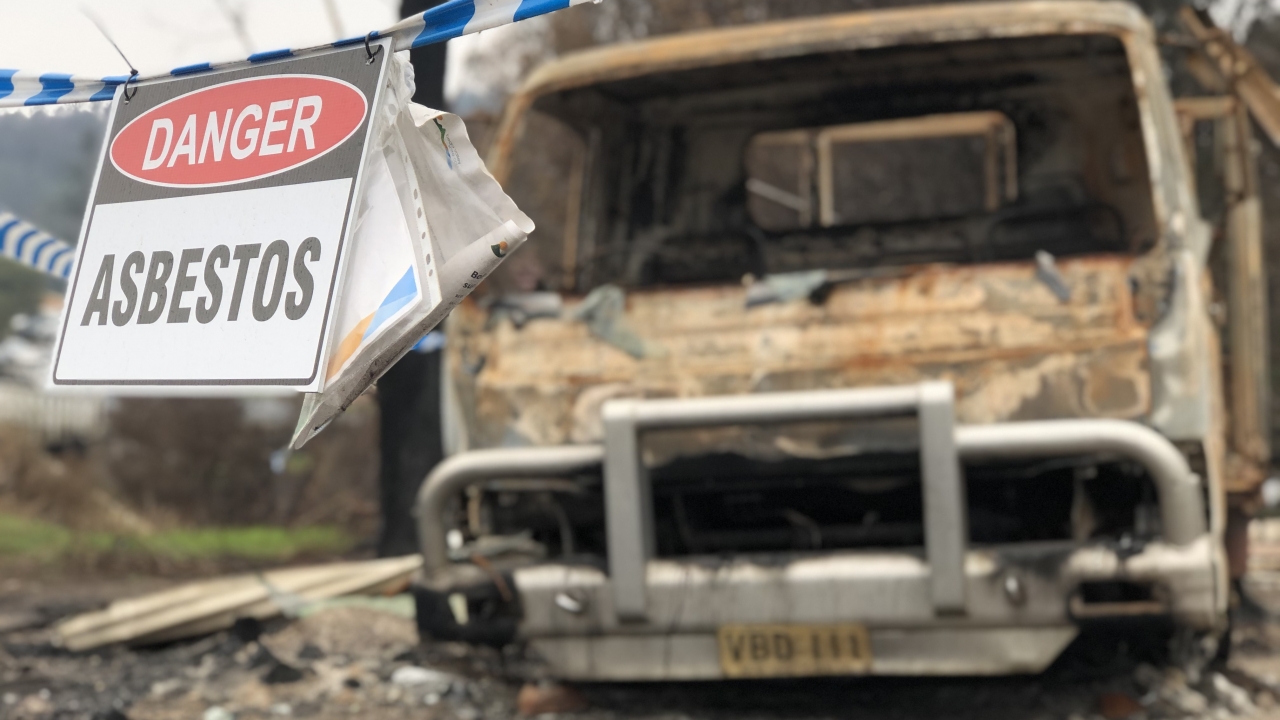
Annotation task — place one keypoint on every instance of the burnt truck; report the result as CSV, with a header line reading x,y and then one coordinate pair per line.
x,y
914,341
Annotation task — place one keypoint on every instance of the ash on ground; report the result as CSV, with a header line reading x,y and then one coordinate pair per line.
x,y
364,660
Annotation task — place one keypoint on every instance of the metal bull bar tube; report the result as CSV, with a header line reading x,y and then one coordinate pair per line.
x,y
1182,512
456,473
629,510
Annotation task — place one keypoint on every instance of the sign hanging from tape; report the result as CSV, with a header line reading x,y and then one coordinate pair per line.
x,y
299,224
216,233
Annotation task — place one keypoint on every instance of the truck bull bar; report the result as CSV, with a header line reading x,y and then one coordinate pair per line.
x,y
629,508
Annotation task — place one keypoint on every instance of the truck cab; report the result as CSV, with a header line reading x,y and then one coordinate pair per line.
x,y
889,342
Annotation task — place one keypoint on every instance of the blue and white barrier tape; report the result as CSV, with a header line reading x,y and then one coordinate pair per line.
x,y
28,245
443,22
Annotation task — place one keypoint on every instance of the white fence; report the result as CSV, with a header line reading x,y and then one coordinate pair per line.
x,y
53,417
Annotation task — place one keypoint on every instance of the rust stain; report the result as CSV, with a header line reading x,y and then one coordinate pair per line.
x,y
1002,337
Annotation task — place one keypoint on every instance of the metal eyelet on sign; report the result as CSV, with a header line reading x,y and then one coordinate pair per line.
x,y
127,97
371,52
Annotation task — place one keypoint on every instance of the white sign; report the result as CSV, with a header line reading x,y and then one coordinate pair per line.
x,y
214,243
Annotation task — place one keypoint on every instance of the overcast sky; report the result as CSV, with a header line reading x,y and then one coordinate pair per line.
x,y
159,35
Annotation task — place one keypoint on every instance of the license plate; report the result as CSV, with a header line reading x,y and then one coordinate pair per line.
x,y
793,650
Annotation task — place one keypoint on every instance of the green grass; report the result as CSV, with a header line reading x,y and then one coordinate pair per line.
x,y
36,539
257,543
24,536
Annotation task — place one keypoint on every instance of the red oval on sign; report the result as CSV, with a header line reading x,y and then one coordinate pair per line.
x,y
239,131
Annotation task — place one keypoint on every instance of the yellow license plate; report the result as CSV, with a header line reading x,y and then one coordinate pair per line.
x,y
793,650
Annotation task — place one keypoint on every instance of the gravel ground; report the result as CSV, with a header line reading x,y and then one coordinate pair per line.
x,y
359,662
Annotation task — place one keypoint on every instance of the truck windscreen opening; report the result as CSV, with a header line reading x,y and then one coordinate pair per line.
x,y
964,152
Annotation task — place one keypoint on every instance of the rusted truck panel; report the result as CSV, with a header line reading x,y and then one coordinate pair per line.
x,y
1013,349
856,338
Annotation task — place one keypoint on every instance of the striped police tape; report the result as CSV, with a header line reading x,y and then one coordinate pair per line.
x,y
444,22
24,243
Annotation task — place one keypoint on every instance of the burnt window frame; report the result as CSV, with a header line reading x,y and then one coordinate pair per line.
x,y
815,199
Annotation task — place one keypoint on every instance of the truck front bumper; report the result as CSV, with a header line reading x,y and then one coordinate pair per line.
x,y
944,609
